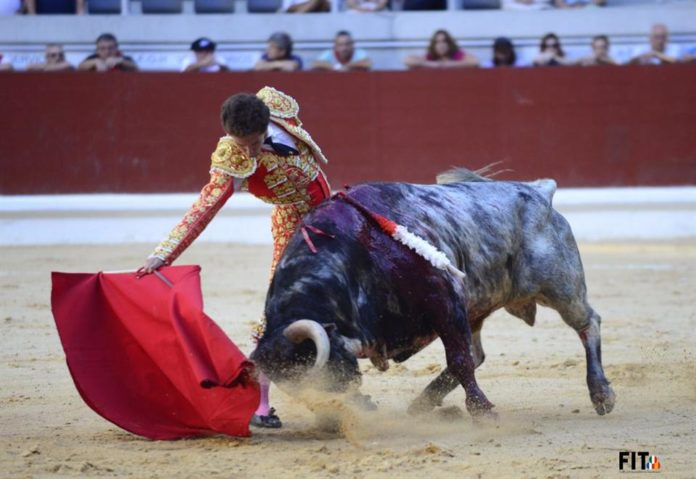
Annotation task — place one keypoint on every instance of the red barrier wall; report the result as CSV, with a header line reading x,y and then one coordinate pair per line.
x,y
154,132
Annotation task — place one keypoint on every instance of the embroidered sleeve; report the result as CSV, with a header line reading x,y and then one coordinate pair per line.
x,y
229,160
212,198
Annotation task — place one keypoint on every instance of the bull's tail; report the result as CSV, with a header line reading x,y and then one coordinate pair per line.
x,y
460,174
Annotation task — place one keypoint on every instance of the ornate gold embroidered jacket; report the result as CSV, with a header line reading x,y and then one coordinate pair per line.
x,y
293,183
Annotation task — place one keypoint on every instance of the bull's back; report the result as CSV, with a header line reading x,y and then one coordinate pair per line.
x,y
498,233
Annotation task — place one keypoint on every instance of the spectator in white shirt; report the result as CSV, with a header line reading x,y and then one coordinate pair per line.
x,y
659,52
343,56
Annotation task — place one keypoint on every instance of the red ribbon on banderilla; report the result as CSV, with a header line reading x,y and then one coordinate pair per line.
x,y
400,233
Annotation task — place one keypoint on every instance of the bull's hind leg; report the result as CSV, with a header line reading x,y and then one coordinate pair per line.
x,y
586,322
445,383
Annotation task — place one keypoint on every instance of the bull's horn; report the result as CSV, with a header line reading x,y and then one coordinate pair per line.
x,y
303,329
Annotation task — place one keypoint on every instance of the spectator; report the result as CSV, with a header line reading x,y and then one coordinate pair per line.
x,y
525,4
578,3
108,57
659,52
60,7
443,52
55,60
305,6
204,58
279,56
5,65
344,56
600,53
366,5
689,56
10,7
424,5
550,52
503,53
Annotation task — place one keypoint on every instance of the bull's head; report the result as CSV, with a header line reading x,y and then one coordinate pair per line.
x,y
307,353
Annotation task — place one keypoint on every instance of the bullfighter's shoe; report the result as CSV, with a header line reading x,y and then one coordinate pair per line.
x,y
271,421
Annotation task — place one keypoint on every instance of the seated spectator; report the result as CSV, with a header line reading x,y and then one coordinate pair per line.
x,y
305,6
578,3
10,7
366,5
689,56
60,7
278,56
55,60
600,53
108,57
503,53
550,52
204,58
525,4
424,5
5,65
344,56
443,52
659,52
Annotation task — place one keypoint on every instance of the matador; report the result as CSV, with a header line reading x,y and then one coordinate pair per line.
x,y
268,153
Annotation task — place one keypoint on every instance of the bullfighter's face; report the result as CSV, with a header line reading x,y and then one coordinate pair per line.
x,y
250,144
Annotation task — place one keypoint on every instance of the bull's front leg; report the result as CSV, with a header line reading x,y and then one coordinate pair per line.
x,y
455,335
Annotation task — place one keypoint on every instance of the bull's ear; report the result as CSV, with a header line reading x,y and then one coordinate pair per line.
x,y
330,328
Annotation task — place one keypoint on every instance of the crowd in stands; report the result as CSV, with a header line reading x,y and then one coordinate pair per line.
x,y
442,52
31,7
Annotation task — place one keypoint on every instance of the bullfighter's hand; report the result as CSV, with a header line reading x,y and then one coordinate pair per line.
x,y
151,264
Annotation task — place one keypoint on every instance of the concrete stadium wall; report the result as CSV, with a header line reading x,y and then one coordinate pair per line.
x,y
160,42
154,132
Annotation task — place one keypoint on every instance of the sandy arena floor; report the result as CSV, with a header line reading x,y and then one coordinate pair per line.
x,y
645,292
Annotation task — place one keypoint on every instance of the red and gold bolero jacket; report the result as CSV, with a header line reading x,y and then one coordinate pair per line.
x,y
295,181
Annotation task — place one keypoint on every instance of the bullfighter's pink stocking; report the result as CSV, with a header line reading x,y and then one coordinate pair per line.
x,y
265,385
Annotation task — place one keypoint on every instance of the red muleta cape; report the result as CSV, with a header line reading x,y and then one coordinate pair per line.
x,y
144,355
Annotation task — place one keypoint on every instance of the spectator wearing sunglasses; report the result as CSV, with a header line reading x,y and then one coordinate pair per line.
x,y
55,60
550,52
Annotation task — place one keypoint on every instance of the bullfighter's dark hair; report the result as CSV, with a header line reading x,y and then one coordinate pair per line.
x,y
244,114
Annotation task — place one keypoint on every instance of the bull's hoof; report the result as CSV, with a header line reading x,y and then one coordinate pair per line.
x,y
362,401
422,405
480,407
603,399
485,418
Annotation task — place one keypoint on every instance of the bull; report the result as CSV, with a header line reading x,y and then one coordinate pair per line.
x,y
345,290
